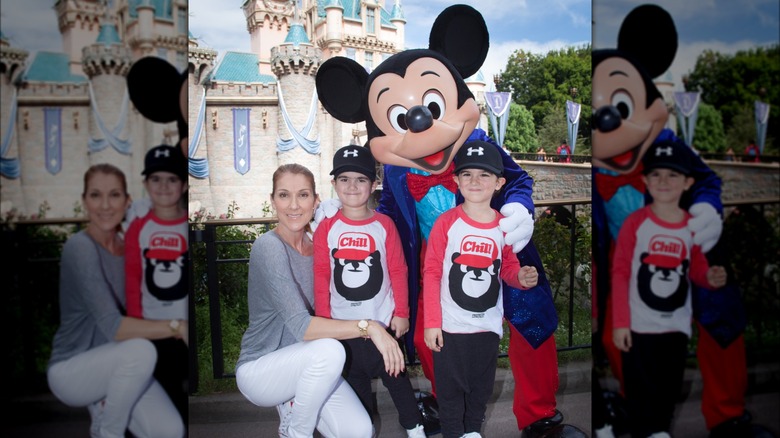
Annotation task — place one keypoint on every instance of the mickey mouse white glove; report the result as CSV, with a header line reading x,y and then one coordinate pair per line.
x,y
706,225
137,208
327,208
517,224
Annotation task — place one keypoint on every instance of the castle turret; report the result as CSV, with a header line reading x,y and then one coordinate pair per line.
x,y
106,63
145,11
334,19
398,19
295,64
267,22
79,22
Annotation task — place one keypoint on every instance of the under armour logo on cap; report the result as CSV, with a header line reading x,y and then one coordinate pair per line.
x,y
353,152
162,153
478,151
667,151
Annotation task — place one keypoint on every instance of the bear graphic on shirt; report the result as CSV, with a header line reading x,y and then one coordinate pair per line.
x,y
473,277
662,279
166,266
357,267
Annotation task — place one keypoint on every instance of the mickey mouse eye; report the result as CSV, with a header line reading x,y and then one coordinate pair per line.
x,y
435,103
624,104
397,117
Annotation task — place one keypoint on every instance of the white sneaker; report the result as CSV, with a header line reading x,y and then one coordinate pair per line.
x,y
472,435
660,435
605,432
417,432
96,413
285,416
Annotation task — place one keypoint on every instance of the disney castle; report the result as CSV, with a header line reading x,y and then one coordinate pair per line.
x,y
251,112
61,112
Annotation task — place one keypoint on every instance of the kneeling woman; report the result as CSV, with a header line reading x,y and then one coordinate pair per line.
x,y
289,358
101,359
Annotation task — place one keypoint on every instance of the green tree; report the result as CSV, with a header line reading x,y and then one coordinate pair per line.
x,y
709,135
732,83
553,129
520,130
543,83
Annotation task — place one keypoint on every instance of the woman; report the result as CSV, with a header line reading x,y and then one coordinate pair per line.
x,y
101,359
289,358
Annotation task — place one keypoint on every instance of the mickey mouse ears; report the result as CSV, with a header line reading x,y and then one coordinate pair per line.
x,y
155,87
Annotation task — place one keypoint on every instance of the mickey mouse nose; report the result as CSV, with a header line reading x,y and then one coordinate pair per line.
x,y
606,119
419,118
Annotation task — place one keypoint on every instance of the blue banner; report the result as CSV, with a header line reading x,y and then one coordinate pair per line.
x,y
241,139
762,118
52,123
572,122
687,106
498,108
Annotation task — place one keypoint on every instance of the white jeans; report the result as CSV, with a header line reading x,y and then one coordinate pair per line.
x,y
309,373
121,374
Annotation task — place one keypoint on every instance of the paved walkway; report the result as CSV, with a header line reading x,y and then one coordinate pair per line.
x,y
231,416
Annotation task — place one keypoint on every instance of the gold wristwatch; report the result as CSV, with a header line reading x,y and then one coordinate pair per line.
x,y
174,325
363,327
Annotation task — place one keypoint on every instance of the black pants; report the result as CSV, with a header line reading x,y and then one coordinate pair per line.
x,y
172,371
465,371
653,376
364,363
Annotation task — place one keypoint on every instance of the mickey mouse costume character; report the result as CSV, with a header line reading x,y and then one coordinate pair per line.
x,y
419,112
629,118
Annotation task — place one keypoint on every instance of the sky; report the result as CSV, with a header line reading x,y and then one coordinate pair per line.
x,y
724,26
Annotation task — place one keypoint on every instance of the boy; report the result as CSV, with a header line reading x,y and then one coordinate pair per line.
x,y
653,261
156,252
465,262
360,273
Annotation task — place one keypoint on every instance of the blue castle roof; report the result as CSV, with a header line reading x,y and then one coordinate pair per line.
x,y
352,11
240,67
297,35
51,67
108,35
162,8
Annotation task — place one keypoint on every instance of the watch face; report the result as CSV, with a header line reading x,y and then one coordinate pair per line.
x,y
363,324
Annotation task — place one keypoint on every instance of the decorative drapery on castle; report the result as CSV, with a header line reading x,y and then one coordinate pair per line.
x,y
298,137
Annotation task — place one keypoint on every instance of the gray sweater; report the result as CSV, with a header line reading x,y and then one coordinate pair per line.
x,y
89,309
278,317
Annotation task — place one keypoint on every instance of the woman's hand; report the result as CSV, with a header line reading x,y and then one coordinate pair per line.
x,y
388,347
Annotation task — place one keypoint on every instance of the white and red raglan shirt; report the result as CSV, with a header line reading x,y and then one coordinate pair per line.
x,y
653,265
465,262
359,269
156,259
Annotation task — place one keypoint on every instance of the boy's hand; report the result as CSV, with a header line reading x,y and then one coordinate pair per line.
x,y
399,326
528,277
434,339
518,225
717,276
706,225
622,338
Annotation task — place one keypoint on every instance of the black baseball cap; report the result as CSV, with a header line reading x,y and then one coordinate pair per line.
x,y
668,155
479,154
164,158
354,158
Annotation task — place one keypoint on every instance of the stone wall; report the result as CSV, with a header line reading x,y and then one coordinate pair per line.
x,y
558,181
745,181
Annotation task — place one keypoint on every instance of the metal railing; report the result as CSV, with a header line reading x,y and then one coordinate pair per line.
x,y
206,232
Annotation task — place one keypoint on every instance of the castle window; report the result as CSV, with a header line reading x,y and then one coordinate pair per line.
x,y
370,22
369,63
351,53
181,21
